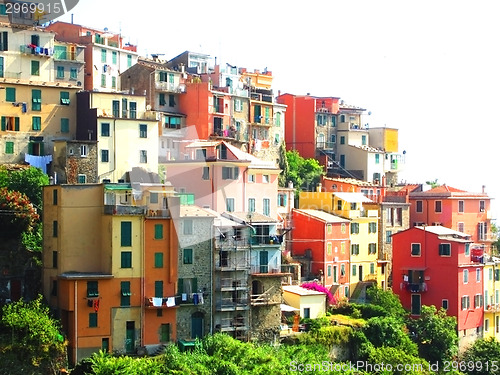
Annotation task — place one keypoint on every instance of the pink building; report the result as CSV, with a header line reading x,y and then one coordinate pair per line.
x,y
433,265
223,178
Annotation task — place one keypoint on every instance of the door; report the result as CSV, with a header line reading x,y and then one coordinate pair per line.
x,y
197,325
263,261
130,338
360,273
165,332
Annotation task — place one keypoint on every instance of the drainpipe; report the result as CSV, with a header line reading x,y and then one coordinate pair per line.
x,y
143,292
76,322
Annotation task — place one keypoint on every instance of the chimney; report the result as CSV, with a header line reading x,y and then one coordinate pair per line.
x,y
318,188
484,189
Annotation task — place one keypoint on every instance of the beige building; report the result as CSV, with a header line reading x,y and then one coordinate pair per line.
x,y
311,303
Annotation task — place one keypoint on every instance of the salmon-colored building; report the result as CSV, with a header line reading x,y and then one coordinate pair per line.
x,y
373,191
457,209
434,265
322,241
110,265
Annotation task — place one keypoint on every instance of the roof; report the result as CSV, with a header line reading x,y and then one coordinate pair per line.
x,y
443,231
353,197
323,216
368,148
352,181
295,289
195,211
446,191
244,217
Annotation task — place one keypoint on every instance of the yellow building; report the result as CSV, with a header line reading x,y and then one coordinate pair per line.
x,y
311,303
38,84
364,267
491,324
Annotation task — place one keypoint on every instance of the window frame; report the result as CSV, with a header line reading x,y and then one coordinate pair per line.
x,y
412,253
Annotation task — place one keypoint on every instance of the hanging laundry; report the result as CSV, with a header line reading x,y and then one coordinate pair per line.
x,y
157,301
170,301
184,297
200,298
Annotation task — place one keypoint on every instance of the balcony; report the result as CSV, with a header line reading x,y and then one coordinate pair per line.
x,y
31,49
118,209
325,145
416,287
160,214
169,87
238,323
232,304
265,269
493,308
190,299
263,121
231,284
262,240
160,302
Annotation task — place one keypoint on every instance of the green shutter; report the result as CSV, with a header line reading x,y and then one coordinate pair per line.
x,y
195,285
10,94
158,289
16,124
158,260
158,231
4,121
126,233
180,286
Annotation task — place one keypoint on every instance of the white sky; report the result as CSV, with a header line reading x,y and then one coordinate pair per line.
x,y
429,68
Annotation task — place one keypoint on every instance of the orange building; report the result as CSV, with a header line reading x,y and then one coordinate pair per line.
x,y
111,277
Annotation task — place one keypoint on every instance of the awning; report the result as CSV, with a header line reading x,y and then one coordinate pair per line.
x,y
288,308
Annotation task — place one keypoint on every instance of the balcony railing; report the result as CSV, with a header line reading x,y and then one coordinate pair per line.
x,y
230,304
167,86
230,284
264,121
163,213
118,209
233,324
257,240
325,145
264,269
494,308
161,302
416,287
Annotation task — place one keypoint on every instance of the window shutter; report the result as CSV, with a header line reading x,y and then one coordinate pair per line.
x,y
180,286
16,124
236,172
195,285
3,123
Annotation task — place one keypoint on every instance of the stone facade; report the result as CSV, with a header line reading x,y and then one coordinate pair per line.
x,y
74,161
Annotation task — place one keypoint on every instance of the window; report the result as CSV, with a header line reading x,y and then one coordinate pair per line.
x,y
420,206
372,227
353,270
116,108
92,289
82,179
54,259
482,231
206,173
444,304
9,147
126,234
73,74
307,313
103,80
10,94
143,156
377,158
282,200
465,302
161,99
153,197
354,228
372,248
125,293
36,100
133,110
372,268
105,129
92,320
265,178
481,206
415,249
251,178
354,249
158,289
478,301
64,125
329,228
54,197
230,173
54,228
437,206
158,231
329,248
113,84
171,100
329,270
1,61
4,41
60,72
388,236
103,55
126,259
129,61
104,156
486,324
266,206
416,304
251,204
466,276
460,206
35,68
143,131
83,151
10,123
445,249
461,227
114,57
342,140
54,288
478,275
230,204
158,260
187,256
36,123
343,228
188,226
64,98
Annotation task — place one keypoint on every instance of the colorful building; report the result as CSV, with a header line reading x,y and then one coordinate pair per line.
x,y
106,54
311,303
115,289
491,277
456,209
434,265
321,241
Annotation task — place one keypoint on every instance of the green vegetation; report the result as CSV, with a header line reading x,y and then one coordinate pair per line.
x,y
484,354
304,173
30,340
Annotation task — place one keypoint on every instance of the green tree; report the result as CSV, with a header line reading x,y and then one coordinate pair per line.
x,y
17,214
30,340
435,334
283,164
391,332
386,299
28,181
482,354
304,173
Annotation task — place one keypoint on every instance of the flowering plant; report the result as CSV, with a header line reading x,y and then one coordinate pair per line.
x,y
320,288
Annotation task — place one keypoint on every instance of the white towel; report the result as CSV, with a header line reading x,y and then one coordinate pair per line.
x,y
170,301
157,301
200,298
184,297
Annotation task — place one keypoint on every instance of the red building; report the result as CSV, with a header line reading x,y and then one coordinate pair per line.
x,y
373,191
432,265
456,209
310,124
321,241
